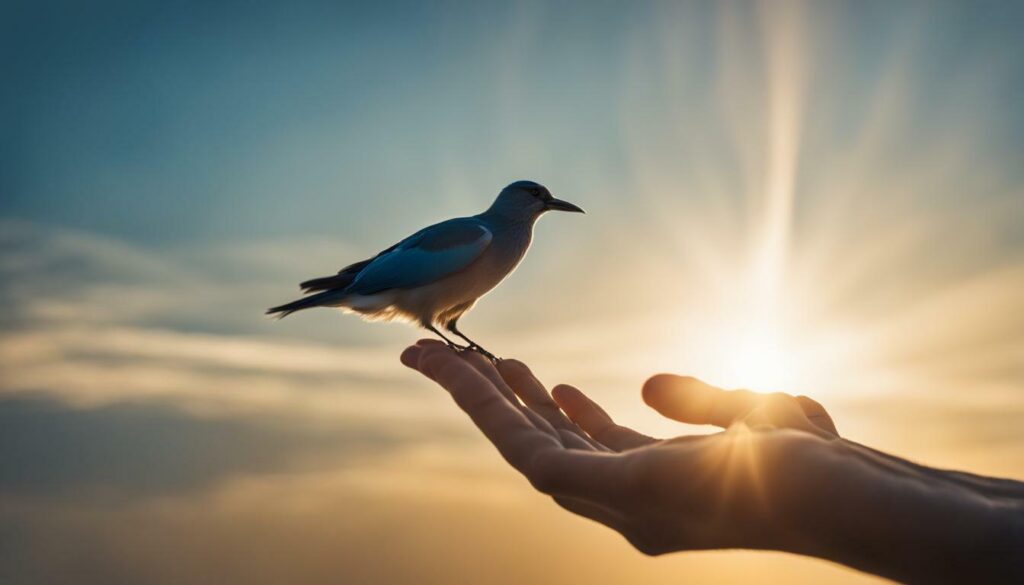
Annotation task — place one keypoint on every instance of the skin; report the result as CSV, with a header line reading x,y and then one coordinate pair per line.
x,y
779,477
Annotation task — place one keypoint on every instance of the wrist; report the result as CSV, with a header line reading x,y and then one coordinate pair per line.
x,y
882,515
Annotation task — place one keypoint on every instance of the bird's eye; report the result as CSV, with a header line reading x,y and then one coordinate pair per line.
x,y
535,191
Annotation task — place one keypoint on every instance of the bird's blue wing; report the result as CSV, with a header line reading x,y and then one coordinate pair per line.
x,y
427,256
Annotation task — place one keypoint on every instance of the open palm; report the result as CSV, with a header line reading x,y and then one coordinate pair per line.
x,y
690,492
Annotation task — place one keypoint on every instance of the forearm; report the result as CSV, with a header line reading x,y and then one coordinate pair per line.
x,y
918,533
1008,490
910,523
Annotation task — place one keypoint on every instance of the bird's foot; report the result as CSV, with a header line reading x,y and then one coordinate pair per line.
x,y
474,347
458,348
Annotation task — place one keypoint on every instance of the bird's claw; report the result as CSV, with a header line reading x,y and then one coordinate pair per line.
x,y
456,347
464,348
494,359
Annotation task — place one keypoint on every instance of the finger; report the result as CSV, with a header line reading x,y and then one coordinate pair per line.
x,y
536,397
428,341
414,355
540,457
817,414
486,367
595,421
510,429
691,401
526,385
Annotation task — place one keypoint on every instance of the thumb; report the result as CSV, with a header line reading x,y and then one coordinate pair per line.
x,y
692,401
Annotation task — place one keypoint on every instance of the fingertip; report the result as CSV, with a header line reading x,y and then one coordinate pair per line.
x,y
410,357
515,373
682,398
579,407
565,394
655,388
428,342
651,387
512,367
431,362
430,356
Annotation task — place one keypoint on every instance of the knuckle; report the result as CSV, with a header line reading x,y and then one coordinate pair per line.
x,y
809,402
780,400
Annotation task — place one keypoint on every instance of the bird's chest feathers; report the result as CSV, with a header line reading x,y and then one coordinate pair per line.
x,y
491,268
466,286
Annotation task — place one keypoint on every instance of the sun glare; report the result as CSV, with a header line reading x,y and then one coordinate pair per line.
x,y
759,359
748,347
748,337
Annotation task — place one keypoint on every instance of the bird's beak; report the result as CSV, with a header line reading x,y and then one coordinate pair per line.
x,y
559,205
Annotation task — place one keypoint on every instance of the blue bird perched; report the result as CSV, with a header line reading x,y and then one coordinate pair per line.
x,y
436,275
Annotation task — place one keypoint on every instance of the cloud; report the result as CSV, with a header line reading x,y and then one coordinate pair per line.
x,y
133,450
423,516
92,321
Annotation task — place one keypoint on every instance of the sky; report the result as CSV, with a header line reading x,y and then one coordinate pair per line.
x,y
824,198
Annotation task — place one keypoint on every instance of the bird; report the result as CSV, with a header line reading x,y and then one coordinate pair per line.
x,y
435,276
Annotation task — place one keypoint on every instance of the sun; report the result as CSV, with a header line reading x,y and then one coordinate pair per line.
x,y
743,348
760,359
758,339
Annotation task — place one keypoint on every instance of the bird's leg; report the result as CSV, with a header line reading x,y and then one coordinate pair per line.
x,y
450,343
451,326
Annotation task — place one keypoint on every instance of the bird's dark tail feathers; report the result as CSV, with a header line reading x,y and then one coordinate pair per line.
x,y
335,281
342,279
327,298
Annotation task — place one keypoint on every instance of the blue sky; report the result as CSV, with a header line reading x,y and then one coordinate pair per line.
x,y
826,198
158,122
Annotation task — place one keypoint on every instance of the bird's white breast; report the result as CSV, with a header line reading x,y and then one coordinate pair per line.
x,y
455,294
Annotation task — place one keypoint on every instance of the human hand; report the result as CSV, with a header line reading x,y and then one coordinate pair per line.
x,y
690,492
778,478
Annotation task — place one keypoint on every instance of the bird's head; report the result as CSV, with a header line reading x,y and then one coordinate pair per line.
x,y
528,200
